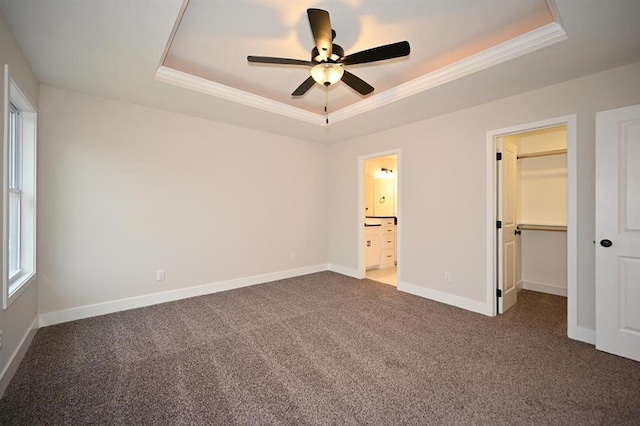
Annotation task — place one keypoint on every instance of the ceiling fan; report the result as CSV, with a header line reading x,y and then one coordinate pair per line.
x,y
328,60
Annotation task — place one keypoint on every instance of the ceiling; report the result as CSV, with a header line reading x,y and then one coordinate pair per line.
x,y
190,56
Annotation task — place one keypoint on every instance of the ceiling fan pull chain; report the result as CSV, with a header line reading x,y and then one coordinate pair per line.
x,y
326,104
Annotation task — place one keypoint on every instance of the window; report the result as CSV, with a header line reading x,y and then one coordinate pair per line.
x,y
19,213
15,193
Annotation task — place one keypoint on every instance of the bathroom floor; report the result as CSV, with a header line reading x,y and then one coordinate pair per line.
x,y
386,275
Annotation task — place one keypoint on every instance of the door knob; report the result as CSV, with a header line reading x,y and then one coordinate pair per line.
x,y
606,243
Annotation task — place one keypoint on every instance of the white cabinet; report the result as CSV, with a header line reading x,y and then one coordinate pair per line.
x,y
388,246
372,246
380,243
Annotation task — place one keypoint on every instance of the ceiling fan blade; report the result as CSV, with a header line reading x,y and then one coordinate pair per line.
x,y
281,61
356,83
304,87
321,29
379,53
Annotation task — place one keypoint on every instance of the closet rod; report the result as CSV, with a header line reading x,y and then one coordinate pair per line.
x,y
542,153
553,228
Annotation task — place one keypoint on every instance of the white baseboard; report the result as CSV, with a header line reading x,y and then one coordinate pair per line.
x,y
449,299
545,288
344,271
583,334
16,357
88,311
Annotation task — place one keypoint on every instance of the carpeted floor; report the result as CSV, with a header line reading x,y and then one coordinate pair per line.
x,y
321,349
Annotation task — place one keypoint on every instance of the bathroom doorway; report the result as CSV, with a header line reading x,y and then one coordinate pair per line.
x,y
379,224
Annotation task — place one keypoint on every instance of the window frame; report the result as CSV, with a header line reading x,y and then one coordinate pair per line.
x,y
18,177
15,187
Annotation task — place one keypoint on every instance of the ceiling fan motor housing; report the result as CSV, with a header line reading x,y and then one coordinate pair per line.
x,y
337,53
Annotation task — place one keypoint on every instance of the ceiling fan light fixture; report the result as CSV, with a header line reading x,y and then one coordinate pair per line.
x,y
327,73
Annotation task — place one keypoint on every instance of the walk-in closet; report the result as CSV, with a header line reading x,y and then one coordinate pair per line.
x,y
533,203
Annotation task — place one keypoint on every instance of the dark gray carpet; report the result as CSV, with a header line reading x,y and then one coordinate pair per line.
x,y
321,349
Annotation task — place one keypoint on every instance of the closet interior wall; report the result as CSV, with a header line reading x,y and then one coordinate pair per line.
x,y
543,206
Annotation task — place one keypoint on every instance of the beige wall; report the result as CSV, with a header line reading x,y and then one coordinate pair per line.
x,y
16,320
443,201
126,190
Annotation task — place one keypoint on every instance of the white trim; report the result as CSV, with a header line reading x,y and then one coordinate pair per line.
x,y
544,288
555,13
521,45
344,271
361,213
16,357
25,282
172,35
447,298
518,46
4,250
572,229
89,311
208,87
399,223
572,212
12,93
359,219
584,335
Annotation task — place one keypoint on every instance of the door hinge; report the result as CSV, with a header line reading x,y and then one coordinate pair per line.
x,y
499,224
498,156
498,292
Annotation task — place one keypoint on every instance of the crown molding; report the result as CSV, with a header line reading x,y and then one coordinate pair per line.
x,y
208,87
521,45
526,43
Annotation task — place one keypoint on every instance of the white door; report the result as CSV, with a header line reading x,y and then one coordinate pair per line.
x,y
618,231
508,252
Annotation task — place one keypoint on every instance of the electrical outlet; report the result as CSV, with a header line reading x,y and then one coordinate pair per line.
x,y
293,256
0,340
447,277
160,275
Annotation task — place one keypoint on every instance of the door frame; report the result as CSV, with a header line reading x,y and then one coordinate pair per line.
x,y
572,213
362,269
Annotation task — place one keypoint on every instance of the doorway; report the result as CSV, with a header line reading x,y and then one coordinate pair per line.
x,y
532,213
378,249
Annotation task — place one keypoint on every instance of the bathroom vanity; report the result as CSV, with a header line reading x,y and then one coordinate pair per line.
x,y
380,241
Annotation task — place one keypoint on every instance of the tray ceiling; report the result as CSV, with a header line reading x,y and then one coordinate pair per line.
x,y
211,40
125,50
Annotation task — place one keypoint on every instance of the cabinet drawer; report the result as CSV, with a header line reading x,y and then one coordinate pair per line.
x,y
390,230
387,257
388,242
388,222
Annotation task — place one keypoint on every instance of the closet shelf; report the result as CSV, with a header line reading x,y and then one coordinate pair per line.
x,y
531,227
542,153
